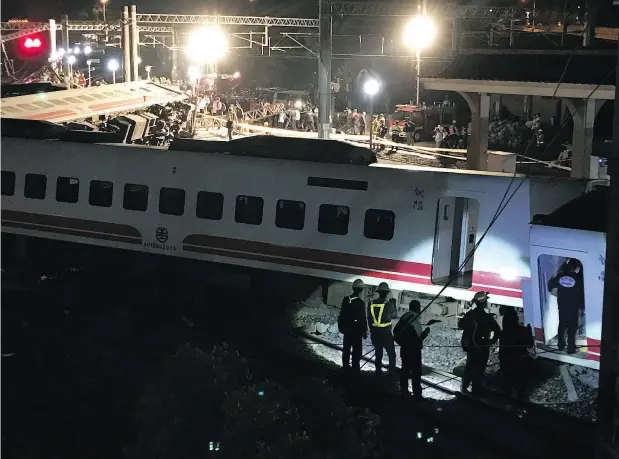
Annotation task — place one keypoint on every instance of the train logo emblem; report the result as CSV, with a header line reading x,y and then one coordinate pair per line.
x,y
161,234
567,281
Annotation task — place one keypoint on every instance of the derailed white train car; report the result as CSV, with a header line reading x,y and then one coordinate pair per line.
x,y
575,231
412,227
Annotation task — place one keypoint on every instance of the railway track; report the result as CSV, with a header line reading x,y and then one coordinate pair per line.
x,y
541,431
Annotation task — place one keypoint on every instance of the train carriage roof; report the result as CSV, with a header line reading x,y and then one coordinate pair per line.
x,y
588,212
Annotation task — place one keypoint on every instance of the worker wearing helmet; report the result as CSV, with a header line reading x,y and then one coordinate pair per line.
x,y
479,332
353,325
381,313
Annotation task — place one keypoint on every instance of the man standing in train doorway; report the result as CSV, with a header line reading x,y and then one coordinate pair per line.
x,y
570,300
381,313
353,325
479,332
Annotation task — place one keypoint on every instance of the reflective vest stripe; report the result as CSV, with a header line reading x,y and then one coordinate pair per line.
x,y
378,320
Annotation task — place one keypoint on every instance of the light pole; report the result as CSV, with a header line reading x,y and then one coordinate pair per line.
x,y
89,64
71,60
113,66
103,2
371,88
194,76
418,35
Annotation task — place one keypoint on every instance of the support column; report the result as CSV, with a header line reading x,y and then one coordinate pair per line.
x,y
608,395
126,45
53,47
135,42
477,150
528,107
175,43
583,114
454,35
324,69
64,20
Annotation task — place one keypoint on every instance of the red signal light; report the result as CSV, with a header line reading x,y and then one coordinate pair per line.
x,y
32,43
31,46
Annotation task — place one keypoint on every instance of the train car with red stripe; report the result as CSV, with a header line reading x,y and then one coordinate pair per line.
x,y
416,228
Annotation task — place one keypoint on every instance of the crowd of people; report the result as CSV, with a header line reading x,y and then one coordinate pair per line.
x,y
480,331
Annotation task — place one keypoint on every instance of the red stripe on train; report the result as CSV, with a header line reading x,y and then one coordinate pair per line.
x,y
326,260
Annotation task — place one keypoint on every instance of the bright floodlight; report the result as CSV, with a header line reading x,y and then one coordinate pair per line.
x,y
236,75
420,32
371,87
112,65
71,60
298,104
193,73
87,50
61,51
208,44
76,50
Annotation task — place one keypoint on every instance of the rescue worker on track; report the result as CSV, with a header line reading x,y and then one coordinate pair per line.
x,y
380,314
516,339
353,325
409,335
231,120
477,326
570,300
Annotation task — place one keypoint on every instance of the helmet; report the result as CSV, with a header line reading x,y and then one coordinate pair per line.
x,y
383,287
358,284
480,297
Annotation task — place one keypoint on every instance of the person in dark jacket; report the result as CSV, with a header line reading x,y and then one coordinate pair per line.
x,y
381,313
514,345
409,335
409,130
479,332
570,300
353,325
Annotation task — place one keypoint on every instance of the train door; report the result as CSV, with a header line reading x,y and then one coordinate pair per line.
x,y
454,240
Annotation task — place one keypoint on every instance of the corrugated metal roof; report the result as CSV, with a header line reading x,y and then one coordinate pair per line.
x,y
78,104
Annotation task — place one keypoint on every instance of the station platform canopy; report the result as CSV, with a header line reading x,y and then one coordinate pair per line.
x,y
583,80
79,104
581,74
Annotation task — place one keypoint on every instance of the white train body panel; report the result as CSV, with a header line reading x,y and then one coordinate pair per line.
x,y
419,243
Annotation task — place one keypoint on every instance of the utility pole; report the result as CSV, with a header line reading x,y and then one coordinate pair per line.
x,y
324,68
608,395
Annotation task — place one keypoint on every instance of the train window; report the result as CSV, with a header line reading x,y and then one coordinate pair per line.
x,y
58,102
27,107
7,182
67,189
333,219
35,186
248,210
135,197
172,201
290,214
325,182
379,224
210,205
101,193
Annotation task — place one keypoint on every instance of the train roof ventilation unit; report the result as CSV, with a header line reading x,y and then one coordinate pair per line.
x,y
313,150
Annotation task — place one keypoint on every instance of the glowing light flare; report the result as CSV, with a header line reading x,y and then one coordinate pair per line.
x,y
193,73
87,50
298,104
371,87
236,75
208,44
112,65
420,33
32,43
71,60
